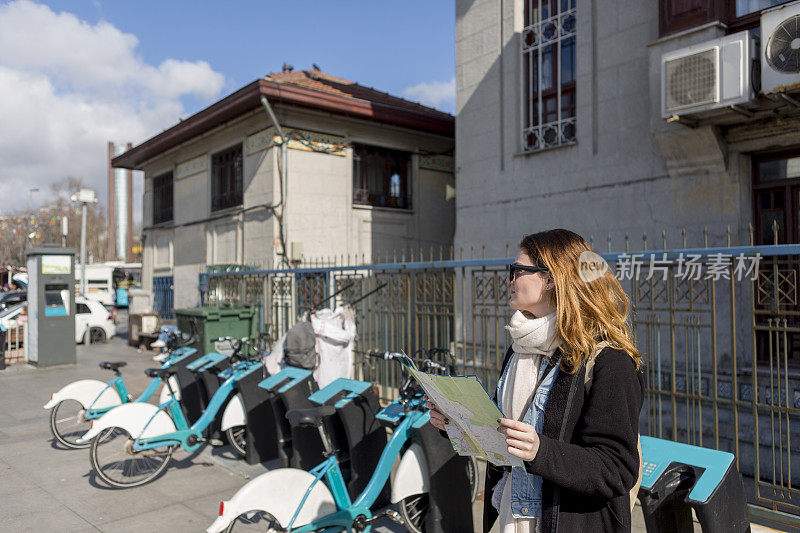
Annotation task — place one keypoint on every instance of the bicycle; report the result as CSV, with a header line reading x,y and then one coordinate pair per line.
x,y
293,500
132,444
75,406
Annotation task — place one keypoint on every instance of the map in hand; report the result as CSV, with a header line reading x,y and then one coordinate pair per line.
x,y
473,415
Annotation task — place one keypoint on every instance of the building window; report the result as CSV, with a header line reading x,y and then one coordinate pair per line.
x,y
548,66
381,177
745,7
776,199
746,14
162,198
737,15
776,220
679,15
226,178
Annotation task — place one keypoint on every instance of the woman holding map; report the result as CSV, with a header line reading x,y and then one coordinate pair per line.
x,y
571,391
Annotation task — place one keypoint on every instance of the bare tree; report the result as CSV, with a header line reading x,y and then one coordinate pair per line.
x,y
24,229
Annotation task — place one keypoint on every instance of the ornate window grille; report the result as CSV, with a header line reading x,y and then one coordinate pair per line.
x,y
548,67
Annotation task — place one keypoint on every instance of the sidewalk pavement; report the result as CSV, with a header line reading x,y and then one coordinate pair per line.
x,y
44,487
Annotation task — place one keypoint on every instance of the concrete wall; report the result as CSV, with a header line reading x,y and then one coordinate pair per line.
x,y
320,216
629,171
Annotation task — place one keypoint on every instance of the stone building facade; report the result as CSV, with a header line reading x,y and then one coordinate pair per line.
x,y
365,174
615,165
561,123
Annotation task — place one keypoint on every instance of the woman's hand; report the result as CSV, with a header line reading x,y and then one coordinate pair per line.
x,y
438,420
522,439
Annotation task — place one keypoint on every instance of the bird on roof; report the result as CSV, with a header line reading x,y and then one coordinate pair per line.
x,y
315,67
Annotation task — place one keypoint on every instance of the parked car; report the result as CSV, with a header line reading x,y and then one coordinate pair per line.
x,y
12,298
93,322
9,319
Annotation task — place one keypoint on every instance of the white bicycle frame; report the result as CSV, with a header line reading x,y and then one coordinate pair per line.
x,y
279,492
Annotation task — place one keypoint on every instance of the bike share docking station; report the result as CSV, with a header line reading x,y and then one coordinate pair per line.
x,y
258,416
678,478
203,377
51,306
355,432
287,389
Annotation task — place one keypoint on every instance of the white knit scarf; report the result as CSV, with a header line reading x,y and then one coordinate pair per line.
x,y
533,336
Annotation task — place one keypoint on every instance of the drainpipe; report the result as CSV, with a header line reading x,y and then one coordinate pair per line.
x,y
282,175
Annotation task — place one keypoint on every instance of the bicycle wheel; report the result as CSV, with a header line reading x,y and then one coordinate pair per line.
x,y
237,436
67,423
254,521
413,510
115,462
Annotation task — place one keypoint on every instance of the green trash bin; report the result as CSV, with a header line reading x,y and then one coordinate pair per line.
x,y
214,322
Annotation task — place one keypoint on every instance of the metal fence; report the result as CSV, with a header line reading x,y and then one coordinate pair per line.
x,y
719,329
14,344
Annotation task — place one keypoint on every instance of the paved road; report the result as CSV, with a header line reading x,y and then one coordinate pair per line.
x,y
46,488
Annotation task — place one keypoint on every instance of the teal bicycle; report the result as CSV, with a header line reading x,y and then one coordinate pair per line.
x,y
132,444
75,406
293,500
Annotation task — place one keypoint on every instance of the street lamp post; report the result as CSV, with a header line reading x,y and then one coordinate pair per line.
x,y
30,198
85,197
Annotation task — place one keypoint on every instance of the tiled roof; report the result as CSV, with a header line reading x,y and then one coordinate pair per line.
x,y
320,81
310,89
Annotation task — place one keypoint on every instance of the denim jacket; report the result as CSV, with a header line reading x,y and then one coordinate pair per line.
x,y
526,489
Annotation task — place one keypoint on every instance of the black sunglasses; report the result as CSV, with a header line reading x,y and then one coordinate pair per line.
x,y
513,268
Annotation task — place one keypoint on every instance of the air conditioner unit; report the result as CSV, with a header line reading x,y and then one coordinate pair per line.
x,y
708,75
780,48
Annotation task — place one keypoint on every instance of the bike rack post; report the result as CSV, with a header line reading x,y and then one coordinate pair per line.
x,y
261,442
207,383
290,389
356,432
450,507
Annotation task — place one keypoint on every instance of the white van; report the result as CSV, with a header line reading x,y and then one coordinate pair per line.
x,y
100,283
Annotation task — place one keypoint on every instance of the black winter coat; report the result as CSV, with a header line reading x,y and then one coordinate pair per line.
x,y
588,456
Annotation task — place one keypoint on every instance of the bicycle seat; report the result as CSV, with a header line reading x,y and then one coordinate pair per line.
x,y
162,373
112,365
309,417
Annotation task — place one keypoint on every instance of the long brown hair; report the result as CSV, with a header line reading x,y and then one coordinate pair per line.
x,y
587,312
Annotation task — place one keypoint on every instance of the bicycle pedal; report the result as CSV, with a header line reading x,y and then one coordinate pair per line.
x,y
361,522
214,442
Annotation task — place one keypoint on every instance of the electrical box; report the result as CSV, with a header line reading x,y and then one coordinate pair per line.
x,y
51,306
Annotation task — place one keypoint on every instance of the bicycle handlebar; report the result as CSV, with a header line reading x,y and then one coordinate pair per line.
x,y
436,366
426,364
237,344
386,356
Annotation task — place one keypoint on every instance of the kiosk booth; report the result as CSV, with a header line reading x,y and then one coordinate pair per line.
x,y
51,305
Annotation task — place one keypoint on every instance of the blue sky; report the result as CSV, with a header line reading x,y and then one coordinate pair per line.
x,y
76,74
375,43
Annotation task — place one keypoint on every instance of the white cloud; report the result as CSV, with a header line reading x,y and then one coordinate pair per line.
x,y
68,87
439,94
